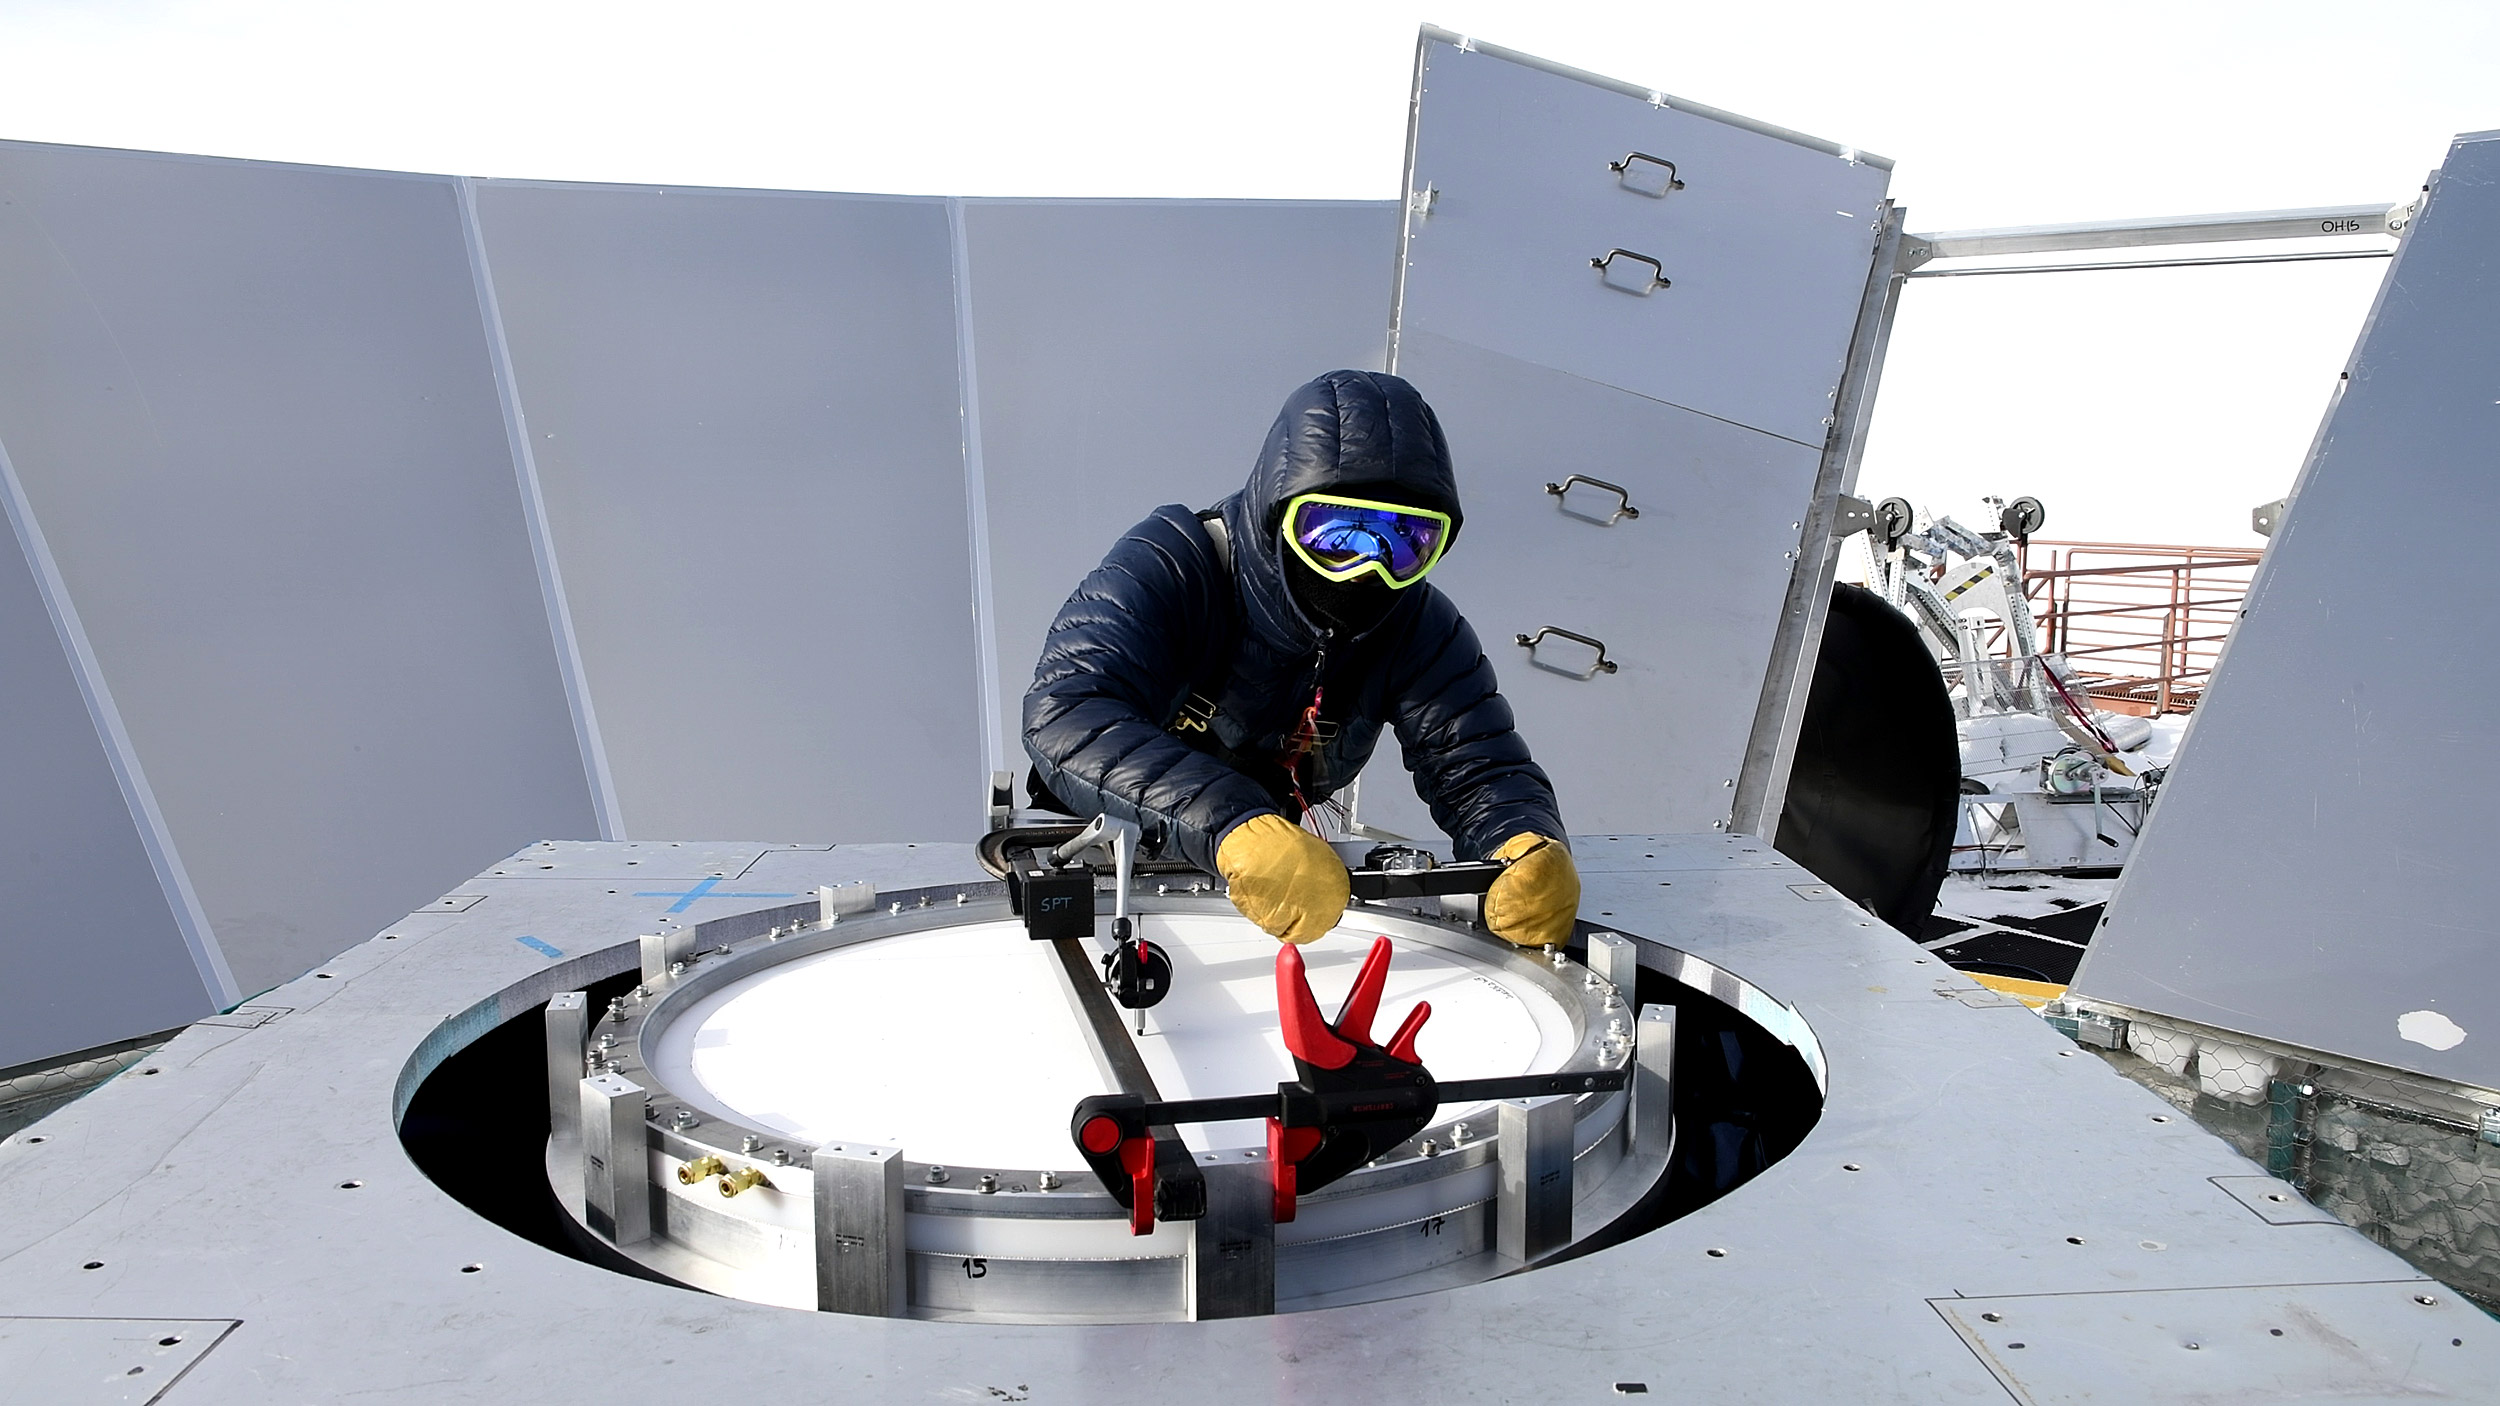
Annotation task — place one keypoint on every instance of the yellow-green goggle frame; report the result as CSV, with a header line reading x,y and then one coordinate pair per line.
x,y
1392,528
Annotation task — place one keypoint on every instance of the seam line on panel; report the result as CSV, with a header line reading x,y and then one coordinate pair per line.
x,y
137,796
534,517
976,501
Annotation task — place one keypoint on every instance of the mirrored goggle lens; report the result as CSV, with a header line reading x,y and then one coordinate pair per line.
x,y
1340,536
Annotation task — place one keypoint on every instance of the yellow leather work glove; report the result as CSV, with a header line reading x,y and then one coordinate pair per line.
x,y
1284,878
1535,899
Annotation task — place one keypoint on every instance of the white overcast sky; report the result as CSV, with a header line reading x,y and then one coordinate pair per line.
x,y
2142,406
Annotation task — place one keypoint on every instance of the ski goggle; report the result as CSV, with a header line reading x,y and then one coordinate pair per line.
x,y
1341,538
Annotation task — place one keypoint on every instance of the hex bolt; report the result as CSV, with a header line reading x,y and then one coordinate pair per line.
x,y
1459,1133
676,969
1048,1181
1429,1148
989,1183
937,1176
683,1119
749,1143
781,1156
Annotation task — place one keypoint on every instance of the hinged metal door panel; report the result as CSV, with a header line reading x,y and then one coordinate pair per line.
x,y
1733,258
1684,596
1601,282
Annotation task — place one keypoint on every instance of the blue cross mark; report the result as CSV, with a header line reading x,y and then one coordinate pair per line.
x,y
709,888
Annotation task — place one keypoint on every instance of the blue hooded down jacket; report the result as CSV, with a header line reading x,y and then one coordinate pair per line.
x,y
1117,721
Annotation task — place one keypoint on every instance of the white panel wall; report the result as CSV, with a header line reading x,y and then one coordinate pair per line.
x,y
1132,354
252,410
2318,870
744,416
409,531
94,948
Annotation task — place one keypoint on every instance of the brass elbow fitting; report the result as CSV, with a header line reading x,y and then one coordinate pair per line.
x,y
741,1179
701,1167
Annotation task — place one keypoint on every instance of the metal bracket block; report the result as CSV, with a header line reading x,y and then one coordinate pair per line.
x,y
833,902
616,1158
860,1265
1653,1080
1616,958
1533,1209
568,1036
1232,1248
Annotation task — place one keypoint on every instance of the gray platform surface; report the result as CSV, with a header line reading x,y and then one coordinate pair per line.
x,y
1992,1161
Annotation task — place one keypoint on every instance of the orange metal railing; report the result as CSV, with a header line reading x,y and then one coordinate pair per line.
x,y
2140,625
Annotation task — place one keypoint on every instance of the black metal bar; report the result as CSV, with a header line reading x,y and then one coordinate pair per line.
x,y
1376,884
1535,1085
1240,1106
1181,1190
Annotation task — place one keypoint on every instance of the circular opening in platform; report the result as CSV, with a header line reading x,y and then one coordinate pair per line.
x,y
934,1025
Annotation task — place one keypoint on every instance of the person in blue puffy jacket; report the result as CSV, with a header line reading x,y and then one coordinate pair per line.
x,y
1223,673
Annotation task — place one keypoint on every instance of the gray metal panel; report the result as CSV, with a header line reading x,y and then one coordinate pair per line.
x,y
1132,354
2393,1342
90,942
1686,596
250,405
2317,868
744,413
1766,244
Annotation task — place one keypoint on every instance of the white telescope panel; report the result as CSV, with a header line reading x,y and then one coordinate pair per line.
x,y
1132,354
252,409
2319,869
92,949
743,411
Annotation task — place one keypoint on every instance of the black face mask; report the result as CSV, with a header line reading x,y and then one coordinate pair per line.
x,y
1345,607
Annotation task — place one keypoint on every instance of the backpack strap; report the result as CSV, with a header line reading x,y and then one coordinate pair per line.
x,y
1212,520
1198,710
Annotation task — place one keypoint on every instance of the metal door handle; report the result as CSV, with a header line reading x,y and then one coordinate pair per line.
x,y
1646,182
1529,643
1623,500
1657,272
